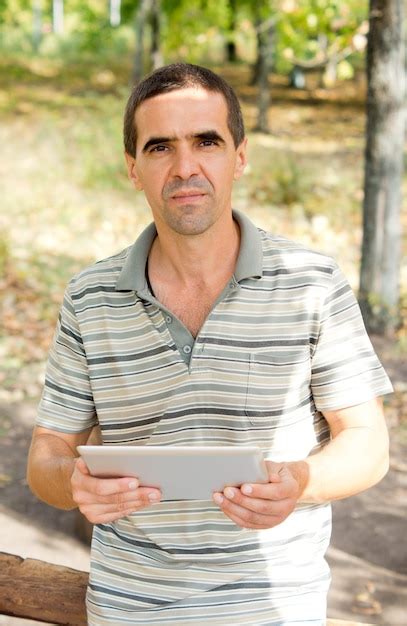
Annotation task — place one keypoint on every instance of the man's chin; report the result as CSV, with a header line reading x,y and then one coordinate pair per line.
x,y
190,222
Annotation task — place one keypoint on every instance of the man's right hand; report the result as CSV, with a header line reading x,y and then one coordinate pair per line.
x,y
103,500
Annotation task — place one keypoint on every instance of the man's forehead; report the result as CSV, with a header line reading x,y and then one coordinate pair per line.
x,y
186,111
195,94
183,102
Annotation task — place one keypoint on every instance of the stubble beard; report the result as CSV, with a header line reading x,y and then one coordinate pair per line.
x,y
189,219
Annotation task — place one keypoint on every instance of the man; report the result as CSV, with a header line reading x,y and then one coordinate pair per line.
x,y
208,331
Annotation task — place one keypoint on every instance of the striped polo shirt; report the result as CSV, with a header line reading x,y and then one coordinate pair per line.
x,y
283,343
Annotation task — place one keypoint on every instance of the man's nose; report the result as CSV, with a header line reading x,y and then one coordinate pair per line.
x,y
185,163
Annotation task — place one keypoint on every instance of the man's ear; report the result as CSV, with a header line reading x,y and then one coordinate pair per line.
x,y
241,159
132,171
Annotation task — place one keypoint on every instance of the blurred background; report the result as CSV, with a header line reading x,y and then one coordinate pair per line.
x,y
307,74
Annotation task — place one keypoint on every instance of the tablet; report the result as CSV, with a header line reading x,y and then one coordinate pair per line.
x,y
182,473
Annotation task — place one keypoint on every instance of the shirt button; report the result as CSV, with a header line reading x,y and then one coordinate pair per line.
x,y
168,319
231,285
187,349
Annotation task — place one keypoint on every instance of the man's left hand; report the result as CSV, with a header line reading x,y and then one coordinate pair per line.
x,y
261,506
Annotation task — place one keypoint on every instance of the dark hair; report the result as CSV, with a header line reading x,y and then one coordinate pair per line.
x,y
178,76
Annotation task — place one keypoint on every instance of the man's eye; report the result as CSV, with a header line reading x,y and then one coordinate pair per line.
x,y
208,142
160,148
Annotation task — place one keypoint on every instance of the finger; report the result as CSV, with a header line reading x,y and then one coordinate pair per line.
x,y
144,494
82,467
285,487
272,491
96,509
280,472
242,518
138,499
285,472
97,512
108,486
244,524
105,518
273,470
82,479
263,506
149,495
268,519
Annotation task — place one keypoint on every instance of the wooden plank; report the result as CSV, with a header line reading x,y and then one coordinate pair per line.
x,y
42,591
53,593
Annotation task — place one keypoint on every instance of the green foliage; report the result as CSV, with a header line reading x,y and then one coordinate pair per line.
x,y
193,30
307,27
86,28
87,24
16,12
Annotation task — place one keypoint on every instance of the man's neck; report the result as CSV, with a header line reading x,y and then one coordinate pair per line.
x,y
205,259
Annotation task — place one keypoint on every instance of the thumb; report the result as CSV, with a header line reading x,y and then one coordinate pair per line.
x,y
274,470
285,472
82,467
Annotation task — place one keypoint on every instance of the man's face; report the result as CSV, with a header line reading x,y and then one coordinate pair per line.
x,y
186,160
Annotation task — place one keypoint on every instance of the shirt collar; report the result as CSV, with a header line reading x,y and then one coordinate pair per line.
x,y
249,262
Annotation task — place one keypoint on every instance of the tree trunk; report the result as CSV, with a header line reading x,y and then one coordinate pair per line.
x,y
265,57
141,18
379,278
231,55
37,24
114,12
58,16
256,67
156,56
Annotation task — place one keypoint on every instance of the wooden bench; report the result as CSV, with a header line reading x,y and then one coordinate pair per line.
x,y
52,593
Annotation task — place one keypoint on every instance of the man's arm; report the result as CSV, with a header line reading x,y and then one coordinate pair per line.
x,y
56,475
51,462
355,459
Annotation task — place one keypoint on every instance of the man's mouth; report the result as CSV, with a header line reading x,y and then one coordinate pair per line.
x,y
188,196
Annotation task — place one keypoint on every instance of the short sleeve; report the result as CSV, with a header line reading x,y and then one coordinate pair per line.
x,y
345,369
67,403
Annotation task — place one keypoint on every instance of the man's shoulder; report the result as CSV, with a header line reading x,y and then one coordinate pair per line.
x,y
101,274
281,251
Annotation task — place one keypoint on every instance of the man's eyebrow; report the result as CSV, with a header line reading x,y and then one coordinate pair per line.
x,y
153,141
208,135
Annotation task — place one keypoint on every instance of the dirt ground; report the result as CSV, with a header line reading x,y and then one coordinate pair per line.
x,y
368,553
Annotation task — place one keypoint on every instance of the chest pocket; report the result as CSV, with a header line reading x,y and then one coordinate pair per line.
x,y
278,384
